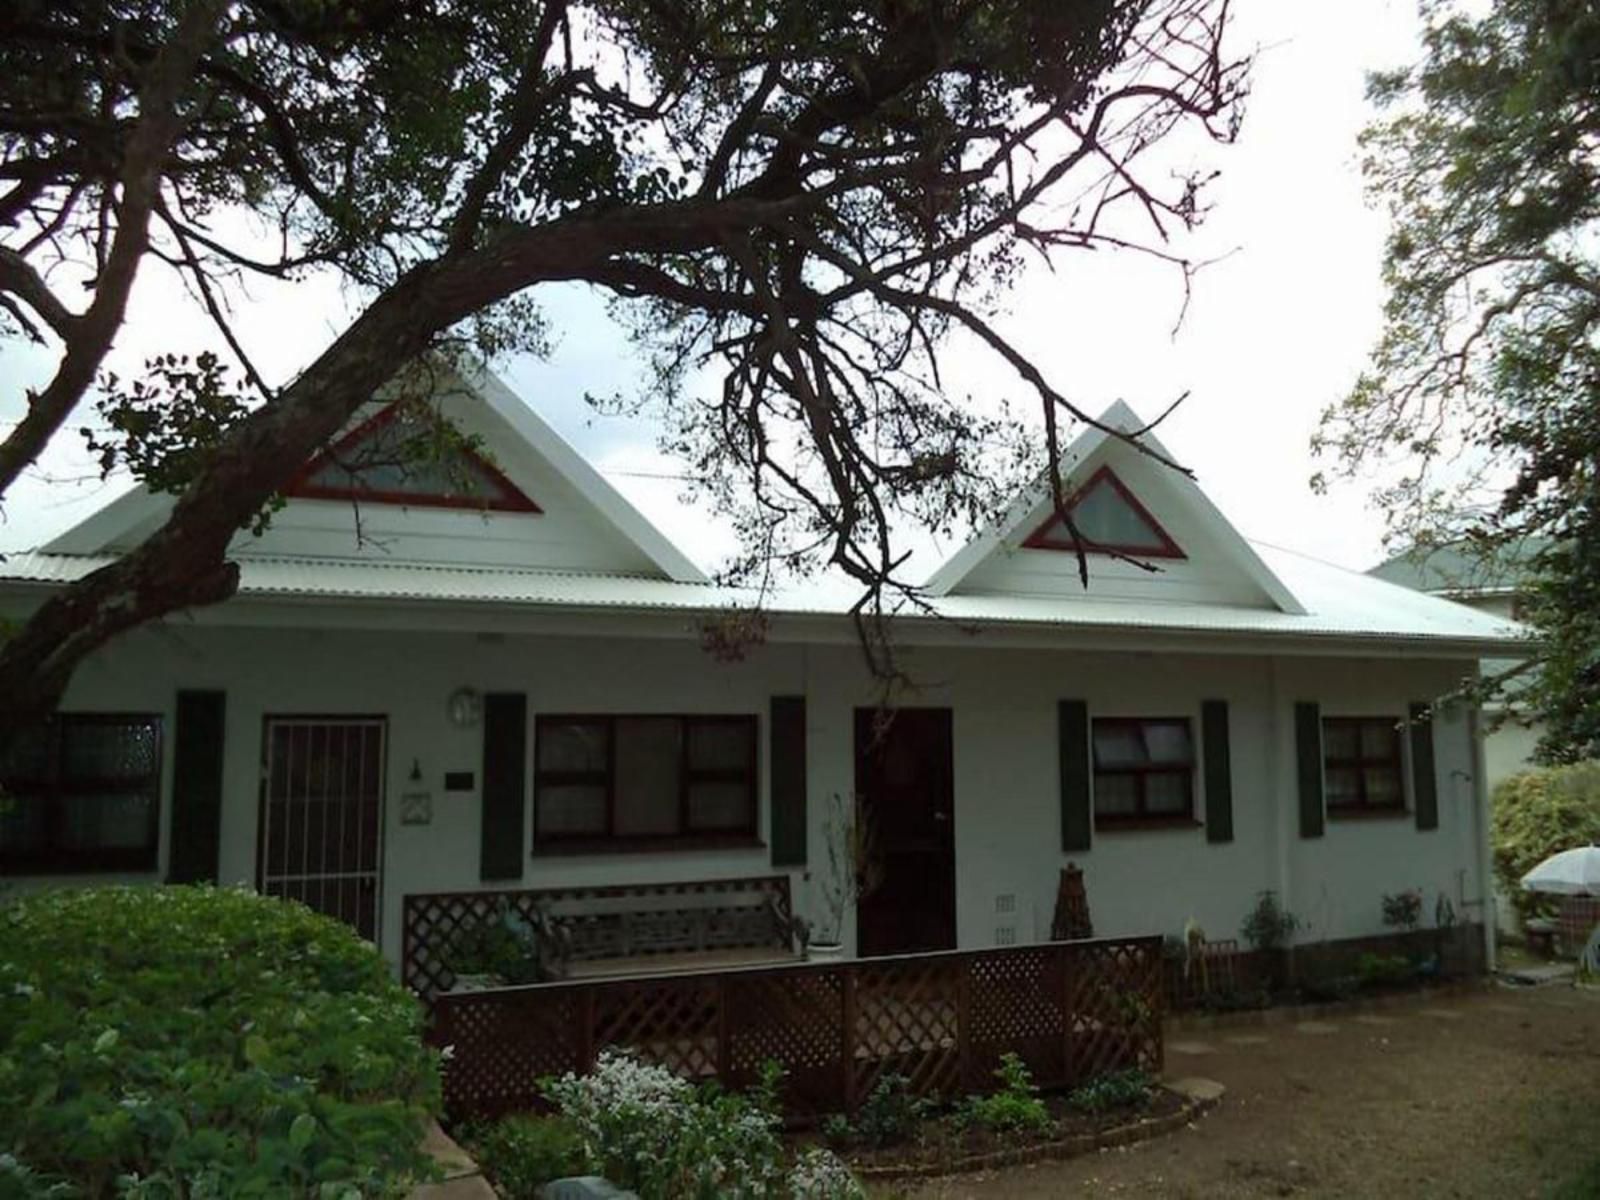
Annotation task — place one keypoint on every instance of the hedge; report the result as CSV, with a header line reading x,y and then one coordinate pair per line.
x,y
166,1042
1538,813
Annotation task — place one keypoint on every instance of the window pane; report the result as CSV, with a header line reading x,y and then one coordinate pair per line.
x,y
107,750
1117,744
1378,739
649,754
113,821
1341,739
573,746
1167,794
1104,517
1115,795
572,808
1168,742
1344,786
720,806
720,745
23,827
1384,787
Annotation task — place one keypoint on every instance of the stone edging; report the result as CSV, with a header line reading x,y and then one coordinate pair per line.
x,y
1068,1147
1188,1022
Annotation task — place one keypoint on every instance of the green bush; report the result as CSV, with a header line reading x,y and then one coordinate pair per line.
x,y
1379,969
166,1042
1118,1089
523,1153
1016,1106
891,1113
1538,813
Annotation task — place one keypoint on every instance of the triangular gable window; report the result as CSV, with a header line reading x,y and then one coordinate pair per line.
x,y
1110,519
373,464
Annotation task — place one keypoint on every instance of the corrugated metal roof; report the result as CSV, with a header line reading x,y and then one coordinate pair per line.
x,y
1339,603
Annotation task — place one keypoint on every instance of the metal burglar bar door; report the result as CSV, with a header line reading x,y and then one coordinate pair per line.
x,y
322,815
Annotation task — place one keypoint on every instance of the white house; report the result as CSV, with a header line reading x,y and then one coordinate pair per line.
x,y
509,690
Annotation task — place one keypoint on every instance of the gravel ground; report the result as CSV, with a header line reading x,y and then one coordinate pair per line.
x,y
1495,1094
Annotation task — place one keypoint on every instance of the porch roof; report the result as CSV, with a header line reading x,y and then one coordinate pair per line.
x,y
1339,604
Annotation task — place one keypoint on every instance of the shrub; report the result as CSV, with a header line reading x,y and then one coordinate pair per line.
x,y
1016,1106
648,1130
1539,813
523,1153
819,1174
197,1042
1379,969
891,1113
1268,927
1117,1089
1402,910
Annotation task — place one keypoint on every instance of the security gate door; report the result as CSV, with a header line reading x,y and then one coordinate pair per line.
x,y
321,831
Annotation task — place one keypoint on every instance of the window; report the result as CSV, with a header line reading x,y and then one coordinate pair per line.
x,y
1362,764
1109,518
395,458
614,781
82,793
1143,770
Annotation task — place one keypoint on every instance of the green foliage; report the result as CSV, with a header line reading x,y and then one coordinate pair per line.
x,y
891,1113
1484,388
1402,910
1268,926
165,1042
1116,1089
1539,813
1378,970
502,945
648,1130
1015,1106
523,1153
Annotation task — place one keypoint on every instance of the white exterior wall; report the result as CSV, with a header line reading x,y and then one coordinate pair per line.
x,y
1007,804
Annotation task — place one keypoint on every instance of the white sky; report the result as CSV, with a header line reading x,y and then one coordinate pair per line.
x,y
1274,333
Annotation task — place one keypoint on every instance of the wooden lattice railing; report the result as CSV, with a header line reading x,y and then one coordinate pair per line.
x,y
1072,1010
430,921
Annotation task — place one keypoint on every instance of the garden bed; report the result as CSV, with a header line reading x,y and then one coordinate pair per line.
x,y
944,1146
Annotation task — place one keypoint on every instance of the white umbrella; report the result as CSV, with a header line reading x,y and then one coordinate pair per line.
x,y
1570,873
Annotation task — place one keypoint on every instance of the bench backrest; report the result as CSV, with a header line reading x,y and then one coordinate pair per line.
x,y
648,920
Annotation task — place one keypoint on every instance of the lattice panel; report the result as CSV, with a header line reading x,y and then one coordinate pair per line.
x,y
502,1044
908,1023
675,1022
1015,1004
792,1018
1071,1009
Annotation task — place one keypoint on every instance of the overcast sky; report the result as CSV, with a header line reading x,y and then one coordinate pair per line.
x,y
1274,333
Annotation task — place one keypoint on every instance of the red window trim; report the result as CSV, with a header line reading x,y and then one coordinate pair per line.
x,y
1142,817
1361,763
1040,539
56,861
685,838
300,487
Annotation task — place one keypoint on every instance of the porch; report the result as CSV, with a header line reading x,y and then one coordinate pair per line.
x,y
1071,1010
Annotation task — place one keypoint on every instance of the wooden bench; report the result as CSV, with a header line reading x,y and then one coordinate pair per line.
x,y
595,932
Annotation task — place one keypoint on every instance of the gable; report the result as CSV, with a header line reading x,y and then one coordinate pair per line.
x,y
387,460
1133,507
546,507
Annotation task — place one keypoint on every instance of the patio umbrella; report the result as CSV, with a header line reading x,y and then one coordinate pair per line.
x,y
1571,873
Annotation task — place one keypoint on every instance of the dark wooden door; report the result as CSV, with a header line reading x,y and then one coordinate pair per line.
x,y
905,788
321,834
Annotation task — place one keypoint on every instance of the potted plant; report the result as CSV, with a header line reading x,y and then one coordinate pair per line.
x,y
853,872
499,950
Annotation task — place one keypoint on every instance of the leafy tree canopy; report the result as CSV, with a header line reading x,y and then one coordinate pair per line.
x,y
807,199
1485,384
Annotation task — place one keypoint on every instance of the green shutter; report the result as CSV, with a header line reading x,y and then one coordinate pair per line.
x,y
1308,759
197,787
1077,814
1425,787
505,757
1218,770
786,758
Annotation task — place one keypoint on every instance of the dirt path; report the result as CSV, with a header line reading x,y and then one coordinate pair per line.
x,y
1489,1095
